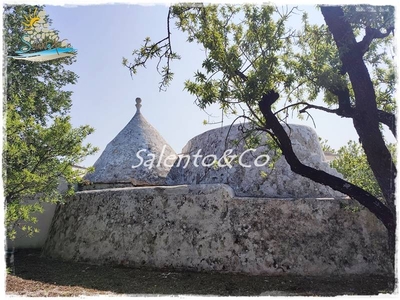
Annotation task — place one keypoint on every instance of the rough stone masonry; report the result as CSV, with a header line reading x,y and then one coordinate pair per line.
x,y
278,181
205,227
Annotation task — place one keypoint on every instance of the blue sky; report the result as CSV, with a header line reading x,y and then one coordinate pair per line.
x,y
104,96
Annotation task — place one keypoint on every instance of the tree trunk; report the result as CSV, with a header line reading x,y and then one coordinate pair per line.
x,y
365,119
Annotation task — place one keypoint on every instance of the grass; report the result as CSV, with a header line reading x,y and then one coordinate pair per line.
x,y
34,275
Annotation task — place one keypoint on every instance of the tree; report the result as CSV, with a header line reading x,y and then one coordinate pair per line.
x,y
351,161
253,59
40,144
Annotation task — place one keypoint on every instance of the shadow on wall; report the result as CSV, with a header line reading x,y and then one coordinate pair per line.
x,y
22,240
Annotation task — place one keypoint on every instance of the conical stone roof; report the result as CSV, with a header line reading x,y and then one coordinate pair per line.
x,y
115,165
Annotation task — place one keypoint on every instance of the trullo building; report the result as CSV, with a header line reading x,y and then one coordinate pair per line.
x,y
123,162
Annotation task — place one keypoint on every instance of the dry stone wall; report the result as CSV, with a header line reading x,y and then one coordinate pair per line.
x,y
205,227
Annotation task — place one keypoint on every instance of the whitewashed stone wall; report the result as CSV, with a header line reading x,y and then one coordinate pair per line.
x,y
44,219
205,227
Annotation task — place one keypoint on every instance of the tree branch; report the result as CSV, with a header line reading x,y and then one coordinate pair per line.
x,y
382,212
386,118
325,109
370,35
161,49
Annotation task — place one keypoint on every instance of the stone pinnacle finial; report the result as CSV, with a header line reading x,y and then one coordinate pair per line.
x,y
138,104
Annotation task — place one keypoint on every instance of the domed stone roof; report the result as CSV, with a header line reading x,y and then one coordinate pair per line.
x,y
137,143
246,178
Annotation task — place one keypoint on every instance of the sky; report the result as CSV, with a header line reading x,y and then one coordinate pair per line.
x,y
104,96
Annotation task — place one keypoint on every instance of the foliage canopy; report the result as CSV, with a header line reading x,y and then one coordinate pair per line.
x,y
40,144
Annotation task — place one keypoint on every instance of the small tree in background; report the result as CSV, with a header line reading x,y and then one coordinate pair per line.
x,y
351,161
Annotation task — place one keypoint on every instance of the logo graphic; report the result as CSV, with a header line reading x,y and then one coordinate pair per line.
x,y
210,160
39,42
